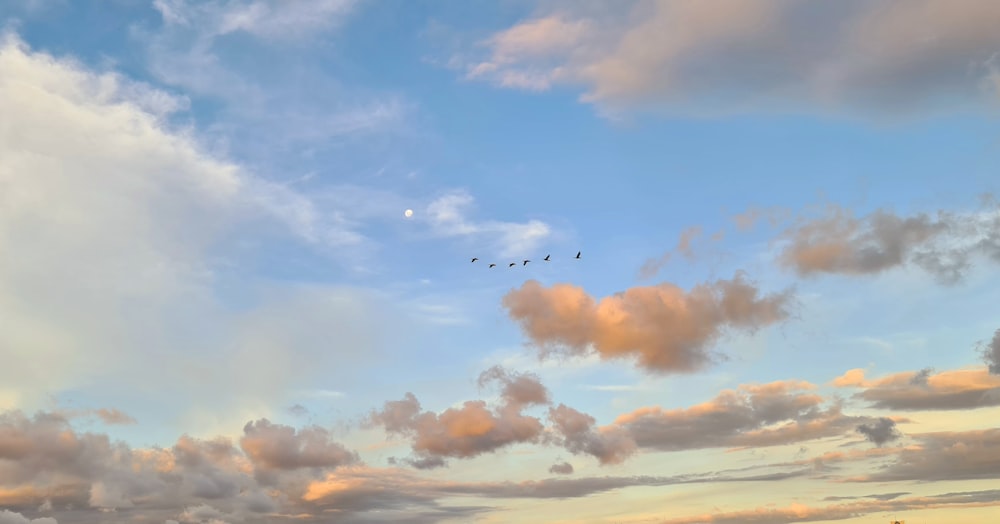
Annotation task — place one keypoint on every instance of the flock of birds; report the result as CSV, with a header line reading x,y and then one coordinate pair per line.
x,y
525,262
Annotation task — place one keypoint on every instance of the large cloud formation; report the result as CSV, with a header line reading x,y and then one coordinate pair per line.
x,y
886,56
45,463
663,327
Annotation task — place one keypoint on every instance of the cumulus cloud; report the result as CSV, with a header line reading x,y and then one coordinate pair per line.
x,y
447,216
945,245
690,54
274,447
471,430
880,432
662,327
924,390
45,462
750,416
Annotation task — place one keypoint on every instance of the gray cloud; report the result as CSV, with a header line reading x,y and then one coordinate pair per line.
x,y
78,477
610,445
562,468
880,432
945,245
991,354
275,447
688,56
878,496
664,328
967,455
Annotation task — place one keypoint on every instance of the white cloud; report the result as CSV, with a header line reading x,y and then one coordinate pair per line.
x,y
124,244
448,216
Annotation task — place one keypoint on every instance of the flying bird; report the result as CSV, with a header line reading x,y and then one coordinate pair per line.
x,y
525,263
493,265
512,264
474,259
578,254
546,258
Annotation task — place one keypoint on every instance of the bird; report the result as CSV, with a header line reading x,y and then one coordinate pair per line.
x,y
578,254
525,263
493,265
512,264
474,259
546,258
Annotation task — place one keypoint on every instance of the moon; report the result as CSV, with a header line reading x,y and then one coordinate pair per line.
x,y
408,213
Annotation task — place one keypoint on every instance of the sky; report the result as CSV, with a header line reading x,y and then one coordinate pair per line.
x,y
215,308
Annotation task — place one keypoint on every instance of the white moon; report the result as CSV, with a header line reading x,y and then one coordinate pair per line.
x,y
408,213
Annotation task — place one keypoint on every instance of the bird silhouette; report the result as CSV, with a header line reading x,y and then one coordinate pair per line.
x,y
578,254
493,265
512,264
546,258
474,259
525,263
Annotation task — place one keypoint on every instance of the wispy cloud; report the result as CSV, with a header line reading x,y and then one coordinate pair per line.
x,y
448,216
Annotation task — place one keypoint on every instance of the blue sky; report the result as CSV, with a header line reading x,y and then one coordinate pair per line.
x,y
202,220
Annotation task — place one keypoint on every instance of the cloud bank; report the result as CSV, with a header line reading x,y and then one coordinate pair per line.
x,y
885,57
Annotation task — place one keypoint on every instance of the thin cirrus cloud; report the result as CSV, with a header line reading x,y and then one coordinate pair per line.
x,y
690,54
316,109
960,389
662,327
799,512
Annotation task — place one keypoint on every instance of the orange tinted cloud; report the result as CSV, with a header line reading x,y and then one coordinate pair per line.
x,y
924,390
663,328
471,430
751,415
